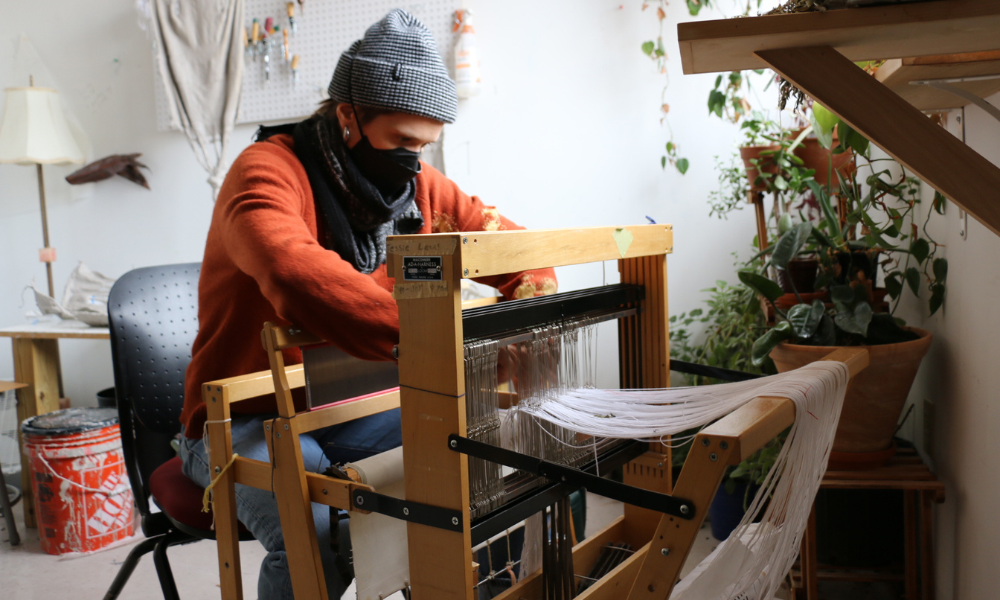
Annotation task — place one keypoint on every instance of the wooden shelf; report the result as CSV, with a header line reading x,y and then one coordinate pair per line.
x,y
884,32
898,73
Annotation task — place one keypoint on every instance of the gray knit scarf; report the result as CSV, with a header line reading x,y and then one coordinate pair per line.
x,y
355,217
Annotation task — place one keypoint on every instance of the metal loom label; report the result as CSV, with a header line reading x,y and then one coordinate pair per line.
x,y
422,268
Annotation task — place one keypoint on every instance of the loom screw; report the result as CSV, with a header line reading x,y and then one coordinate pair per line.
x,y
465,240
454,520
453,443
713,457
685,509
665,551
465,272
406,511
705,442
395,352
724,445
286,427
359,500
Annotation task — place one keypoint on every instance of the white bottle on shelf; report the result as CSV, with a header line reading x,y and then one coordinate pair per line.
x,y
468,77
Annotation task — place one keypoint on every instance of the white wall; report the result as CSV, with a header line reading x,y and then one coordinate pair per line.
x,y
566,133
959,377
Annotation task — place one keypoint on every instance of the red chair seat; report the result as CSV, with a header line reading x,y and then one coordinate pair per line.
x,y
180,497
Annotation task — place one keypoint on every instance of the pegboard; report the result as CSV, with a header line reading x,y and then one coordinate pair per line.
x,y
325,29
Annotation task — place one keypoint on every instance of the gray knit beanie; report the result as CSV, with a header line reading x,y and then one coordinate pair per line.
x,y
396,66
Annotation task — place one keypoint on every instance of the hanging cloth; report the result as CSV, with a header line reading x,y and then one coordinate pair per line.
x,y
199,55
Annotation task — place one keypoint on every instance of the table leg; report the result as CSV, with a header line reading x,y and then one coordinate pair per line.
x,y
910,542
927,544
807,559
36,363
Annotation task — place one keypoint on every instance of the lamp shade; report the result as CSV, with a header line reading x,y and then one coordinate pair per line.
x,y
34,129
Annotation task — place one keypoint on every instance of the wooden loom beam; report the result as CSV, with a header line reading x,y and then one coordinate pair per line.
x,y
870,33
936,156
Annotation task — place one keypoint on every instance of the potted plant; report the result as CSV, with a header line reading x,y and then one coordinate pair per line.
x,y
829,166
868,231
757,151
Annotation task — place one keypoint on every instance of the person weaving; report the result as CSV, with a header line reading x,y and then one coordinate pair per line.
x,y
298,236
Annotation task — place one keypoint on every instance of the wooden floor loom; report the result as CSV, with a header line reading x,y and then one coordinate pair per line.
x,y
428,271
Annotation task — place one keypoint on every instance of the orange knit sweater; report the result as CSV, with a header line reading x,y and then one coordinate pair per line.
x,y
263,262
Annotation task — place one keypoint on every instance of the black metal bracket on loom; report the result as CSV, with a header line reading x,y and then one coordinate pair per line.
x,y
414,512
628,494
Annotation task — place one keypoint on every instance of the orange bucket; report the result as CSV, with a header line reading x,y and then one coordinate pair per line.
x,y
83,499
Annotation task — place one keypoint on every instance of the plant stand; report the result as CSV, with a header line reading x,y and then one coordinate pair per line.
x,y
921,490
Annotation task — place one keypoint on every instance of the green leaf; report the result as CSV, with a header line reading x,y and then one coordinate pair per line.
x,y
663,162
842,294
920,249
913,280
805,318
765,343
682,165
696,312
940,270
762,285
849,138
826,333
885,330
939,203
718,81
894,284
784,223
856,321
670,146
937,297
830,217
790,244
648,47
824,118
716,103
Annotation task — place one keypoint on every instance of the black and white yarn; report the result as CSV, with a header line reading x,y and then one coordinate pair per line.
x,y
396,66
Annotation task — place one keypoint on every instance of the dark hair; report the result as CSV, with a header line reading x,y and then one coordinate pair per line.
x,y
365,114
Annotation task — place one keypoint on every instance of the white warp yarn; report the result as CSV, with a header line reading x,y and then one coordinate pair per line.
x,y
755,560
381,557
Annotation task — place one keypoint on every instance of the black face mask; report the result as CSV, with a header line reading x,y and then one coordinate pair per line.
x,y
387,170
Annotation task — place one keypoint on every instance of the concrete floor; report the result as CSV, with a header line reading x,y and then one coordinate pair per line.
x,y
27,573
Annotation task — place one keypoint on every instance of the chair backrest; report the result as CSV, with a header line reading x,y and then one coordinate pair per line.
x,y
153,314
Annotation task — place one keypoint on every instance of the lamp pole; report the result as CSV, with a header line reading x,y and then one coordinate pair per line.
x,y
45,230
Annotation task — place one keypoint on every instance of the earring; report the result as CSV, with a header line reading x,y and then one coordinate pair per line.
x,y
347,133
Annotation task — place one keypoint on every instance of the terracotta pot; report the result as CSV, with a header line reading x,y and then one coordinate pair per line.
x,y
817,157
801,272
747,153
875,398
789,300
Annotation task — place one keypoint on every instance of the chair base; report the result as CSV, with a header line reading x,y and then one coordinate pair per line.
x,y
158,546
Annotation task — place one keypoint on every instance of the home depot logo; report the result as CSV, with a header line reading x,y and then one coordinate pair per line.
x,y
115,511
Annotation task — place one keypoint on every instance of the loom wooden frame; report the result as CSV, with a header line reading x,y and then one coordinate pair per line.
x,y
430,396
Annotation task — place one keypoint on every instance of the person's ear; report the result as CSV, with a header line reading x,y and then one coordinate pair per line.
x,y
345,116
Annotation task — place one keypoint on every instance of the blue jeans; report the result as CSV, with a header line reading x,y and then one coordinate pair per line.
x,y
257,509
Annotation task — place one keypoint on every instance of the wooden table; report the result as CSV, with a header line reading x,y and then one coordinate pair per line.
x,y
921,490
36,363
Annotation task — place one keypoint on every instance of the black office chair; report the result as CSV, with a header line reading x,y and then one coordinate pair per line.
x,y
153,315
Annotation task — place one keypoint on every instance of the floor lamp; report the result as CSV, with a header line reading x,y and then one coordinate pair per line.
x,y
34,131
